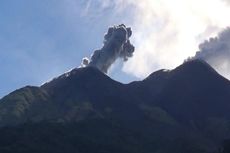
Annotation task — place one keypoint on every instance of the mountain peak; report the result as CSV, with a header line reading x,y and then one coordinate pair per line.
x,y
190,69
195,65
78,76
182,103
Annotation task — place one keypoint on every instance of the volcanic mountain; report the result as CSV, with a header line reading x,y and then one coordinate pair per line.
x,y
85,111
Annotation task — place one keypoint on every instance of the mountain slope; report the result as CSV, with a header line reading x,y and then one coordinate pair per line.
x,y
182,110
196,91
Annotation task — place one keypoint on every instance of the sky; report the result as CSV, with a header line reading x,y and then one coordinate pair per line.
x,y
40,40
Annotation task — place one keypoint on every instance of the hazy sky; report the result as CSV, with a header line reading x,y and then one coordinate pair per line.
x,y
42,39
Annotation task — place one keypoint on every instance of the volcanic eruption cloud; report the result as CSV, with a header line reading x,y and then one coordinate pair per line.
x,y
216,51
116,45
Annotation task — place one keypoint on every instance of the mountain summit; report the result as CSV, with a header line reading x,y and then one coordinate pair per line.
x,y
181,110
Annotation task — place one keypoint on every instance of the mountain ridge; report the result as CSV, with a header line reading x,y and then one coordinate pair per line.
x,y
184,110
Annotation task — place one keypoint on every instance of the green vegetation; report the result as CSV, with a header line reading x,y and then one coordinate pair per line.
x,y
157,114
14,107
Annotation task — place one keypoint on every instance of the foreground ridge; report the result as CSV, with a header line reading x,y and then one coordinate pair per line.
x,y
182,110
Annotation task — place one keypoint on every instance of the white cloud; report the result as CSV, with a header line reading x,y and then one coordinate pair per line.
x,y
166,32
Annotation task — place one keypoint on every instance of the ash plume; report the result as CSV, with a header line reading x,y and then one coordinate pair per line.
x,y
216,51
116,45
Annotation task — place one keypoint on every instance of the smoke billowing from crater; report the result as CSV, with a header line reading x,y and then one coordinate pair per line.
x,y
116,45
216,51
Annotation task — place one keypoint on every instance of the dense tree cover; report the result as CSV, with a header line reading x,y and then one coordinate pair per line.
x,y
92,136
185,110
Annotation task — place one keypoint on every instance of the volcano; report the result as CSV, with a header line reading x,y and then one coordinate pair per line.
x,y
85,111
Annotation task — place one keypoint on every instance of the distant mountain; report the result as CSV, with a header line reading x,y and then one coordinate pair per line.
x,y
85,111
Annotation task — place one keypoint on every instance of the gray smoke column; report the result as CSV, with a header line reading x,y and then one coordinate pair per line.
x,y
216,51
116,45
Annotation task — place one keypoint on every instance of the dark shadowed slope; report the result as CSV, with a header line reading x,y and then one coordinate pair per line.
x,y
195,90
108,98
79,94
149,88
182,110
